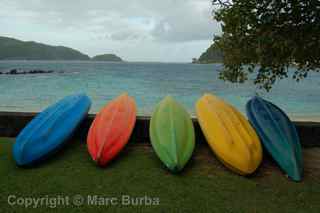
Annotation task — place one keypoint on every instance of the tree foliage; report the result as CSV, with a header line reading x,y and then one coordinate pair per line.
x,y
267,37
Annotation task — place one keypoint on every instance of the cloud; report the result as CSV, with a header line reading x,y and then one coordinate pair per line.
x,y
117,23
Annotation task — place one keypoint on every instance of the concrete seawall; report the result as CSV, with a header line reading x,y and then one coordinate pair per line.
x,y
11,123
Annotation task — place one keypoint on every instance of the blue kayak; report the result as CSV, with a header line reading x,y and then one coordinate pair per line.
x,y
278,135
50,129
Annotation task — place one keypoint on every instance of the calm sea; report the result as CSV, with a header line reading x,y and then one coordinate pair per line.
x,y
148,83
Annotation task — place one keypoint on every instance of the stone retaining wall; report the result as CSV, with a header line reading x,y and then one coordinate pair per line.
x,y
11,123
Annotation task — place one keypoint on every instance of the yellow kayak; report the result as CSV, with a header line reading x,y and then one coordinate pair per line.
x,y
229,135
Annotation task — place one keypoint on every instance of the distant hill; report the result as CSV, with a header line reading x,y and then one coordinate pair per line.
x,y
107,57
211,55
13,49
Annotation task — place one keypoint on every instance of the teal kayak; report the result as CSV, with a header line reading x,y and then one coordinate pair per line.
x,y
172,134
278,135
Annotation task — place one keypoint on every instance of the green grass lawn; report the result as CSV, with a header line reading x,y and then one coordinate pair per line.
x,y
204,186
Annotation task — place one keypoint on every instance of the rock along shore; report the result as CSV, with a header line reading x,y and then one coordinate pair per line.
x,y
25,72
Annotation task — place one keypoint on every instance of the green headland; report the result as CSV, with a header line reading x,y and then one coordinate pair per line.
x,y
14,49
210,56
107,57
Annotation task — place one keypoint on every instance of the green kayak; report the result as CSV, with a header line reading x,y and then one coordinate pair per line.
x,y
172,134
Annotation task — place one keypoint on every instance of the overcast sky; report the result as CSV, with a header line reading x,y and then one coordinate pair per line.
x,y
136,30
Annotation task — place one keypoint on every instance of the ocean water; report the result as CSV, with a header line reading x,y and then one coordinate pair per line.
x,y
148,83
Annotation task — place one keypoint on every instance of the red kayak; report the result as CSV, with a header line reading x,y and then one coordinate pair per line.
x,y
111,129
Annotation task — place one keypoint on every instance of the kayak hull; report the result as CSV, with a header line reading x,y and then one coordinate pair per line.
x,y
229,135
111,129
172,134
50,129
278,135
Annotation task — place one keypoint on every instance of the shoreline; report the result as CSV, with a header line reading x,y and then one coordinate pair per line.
x,y
304,118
